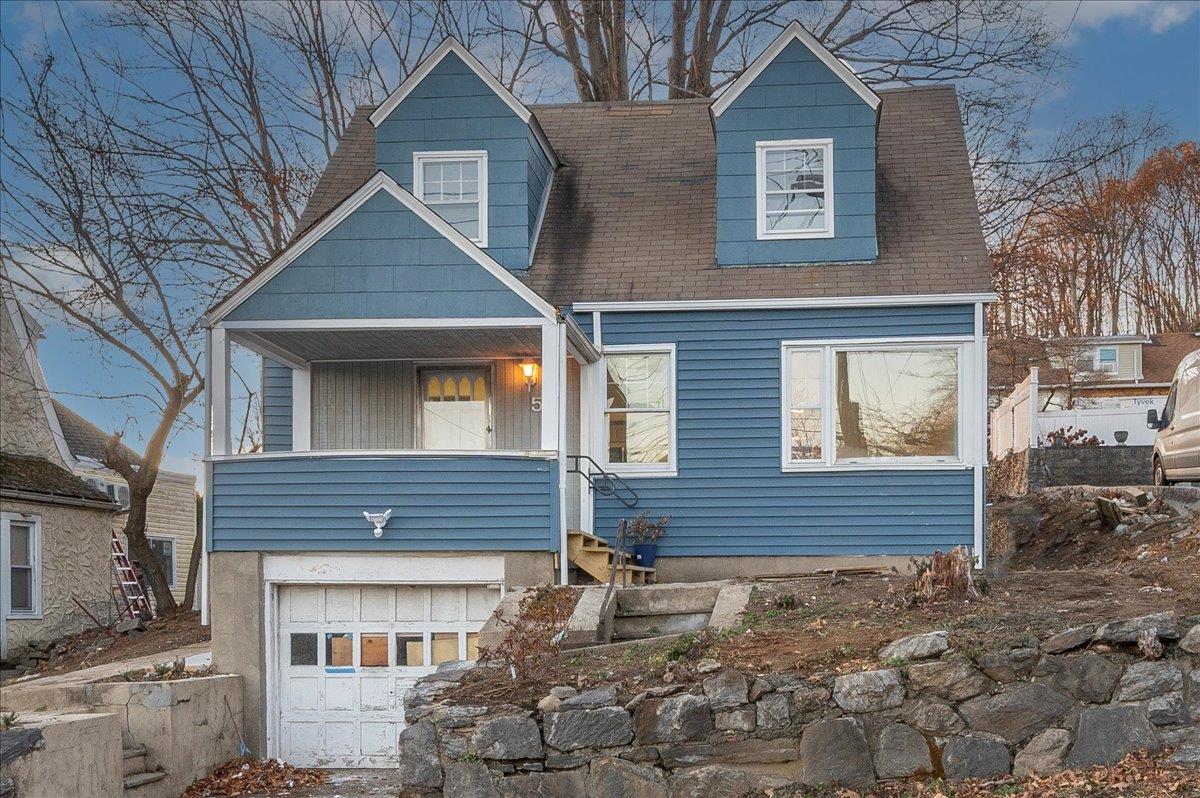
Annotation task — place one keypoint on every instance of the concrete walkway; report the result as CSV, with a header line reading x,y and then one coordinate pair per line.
x,y
63,690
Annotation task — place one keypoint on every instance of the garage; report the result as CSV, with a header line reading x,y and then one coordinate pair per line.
x,y
347,654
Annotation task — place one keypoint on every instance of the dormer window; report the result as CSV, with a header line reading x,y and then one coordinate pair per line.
x,y
1106,360
454,185
795,188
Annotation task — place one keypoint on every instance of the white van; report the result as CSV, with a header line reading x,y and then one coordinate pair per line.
x,y
1177,445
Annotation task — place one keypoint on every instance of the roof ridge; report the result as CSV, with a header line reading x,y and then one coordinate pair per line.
x,y
627,103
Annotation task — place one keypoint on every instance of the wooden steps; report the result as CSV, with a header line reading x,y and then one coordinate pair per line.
x,y
597,559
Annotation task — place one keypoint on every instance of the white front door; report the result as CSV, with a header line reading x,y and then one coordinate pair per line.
x,y
456,409
348,654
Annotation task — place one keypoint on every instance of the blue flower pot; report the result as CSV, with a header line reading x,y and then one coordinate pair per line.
x,y
644,554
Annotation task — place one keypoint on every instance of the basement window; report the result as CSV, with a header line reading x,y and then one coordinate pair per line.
x,y
454,186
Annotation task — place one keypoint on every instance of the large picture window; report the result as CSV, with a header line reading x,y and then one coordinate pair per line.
x,y
639,411
871,404
454,185
795,188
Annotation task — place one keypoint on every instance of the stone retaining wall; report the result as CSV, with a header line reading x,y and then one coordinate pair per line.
x,y
1083,697
1023,472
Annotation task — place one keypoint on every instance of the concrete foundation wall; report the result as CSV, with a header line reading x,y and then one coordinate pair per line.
x,y
706,569
80,755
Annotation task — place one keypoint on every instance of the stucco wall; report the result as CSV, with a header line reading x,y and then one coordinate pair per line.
x,y
75,553
24,429
80,755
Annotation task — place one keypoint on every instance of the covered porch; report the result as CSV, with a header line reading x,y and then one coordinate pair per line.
x,y
464,428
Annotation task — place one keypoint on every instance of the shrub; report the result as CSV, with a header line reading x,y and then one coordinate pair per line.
x,y
534,635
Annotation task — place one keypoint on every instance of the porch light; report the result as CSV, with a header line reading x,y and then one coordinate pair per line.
x,y
529,368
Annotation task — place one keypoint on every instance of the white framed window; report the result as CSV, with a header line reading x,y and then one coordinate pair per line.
x,y
794,192
164,552
21,562
454,185
868,404
1106,360
639,410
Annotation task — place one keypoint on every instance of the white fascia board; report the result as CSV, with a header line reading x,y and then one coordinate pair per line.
x,y
451,45
794,31
449,323
896,300
380,182
541,217
581,343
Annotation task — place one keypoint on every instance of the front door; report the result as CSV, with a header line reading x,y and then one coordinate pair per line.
x,y
456,408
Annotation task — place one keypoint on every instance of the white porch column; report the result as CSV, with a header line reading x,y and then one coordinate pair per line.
x,y
302,409
553,383
218,386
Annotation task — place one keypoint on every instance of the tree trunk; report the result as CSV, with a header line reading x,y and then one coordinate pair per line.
x,y
189,591
139,547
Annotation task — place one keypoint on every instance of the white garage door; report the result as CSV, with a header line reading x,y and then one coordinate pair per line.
x,y
348,654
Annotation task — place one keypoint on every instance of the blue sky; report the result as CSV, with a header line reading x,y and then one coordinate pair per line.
x,y
1117,55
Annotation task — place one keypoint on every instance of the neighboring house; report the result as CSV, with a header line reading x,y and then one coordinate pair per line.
x,y
55,543
170,508
1103,385
763,312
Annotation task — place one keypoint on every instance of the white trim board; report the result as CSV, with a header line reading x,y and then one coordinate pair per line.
x,y
794,31
793,303
451,45
532,454
380,182
408,569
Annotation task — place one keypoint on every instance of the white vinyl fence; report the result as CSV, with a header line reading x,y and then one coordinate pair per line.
x,y
1017,424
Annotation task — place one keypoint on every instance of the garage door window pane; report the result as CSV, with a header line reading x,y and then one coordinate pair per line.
x,y
372,650
472,647
304,648
410,650
444,647
339,649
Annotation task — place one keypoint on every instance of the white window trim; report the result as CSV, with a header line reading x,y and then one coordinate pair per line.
x,y
481,157
669,468
174,555
760,187
1098,364
829,460
35,561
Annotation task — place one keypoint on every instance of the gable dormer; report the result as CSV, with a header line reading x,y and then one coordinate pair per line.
x,y
460,141
796,159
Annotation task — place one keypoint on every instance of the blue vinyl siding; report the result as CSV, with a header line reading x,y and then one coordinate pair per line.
x,y
382,261
452,109
277,406
438,504
796,97
731,497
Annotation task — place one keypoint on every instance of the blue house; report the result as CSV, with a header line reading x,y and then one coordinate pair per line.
x,y
514,326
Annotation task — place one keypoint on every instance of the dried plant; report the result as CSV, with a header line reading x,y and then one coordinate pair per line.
x,y
532,638
641,529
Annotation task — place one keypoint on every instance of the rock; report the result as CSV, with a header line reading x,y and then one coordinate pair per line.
x,y
738,752
509,737
933,718
1167,710
1104,735
772,712
835,751
922,646
720,781
810,703
1043,754
741,719
975,757
953,681
1089,677
469,780
759,688
563,692
676,719
1149,644
707,666
726,690
1188,752
126,626
548,704
419,766
1072,638
455,716
1007,666
1129,629
552,784
1191,641
570,729
1018,712
901,751
1192,694
591,699
869,691
612,777
1146,680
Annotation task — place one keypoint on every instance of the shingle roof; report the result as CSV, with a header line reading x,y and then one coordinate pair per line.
x,y
616,231
38,475
1009,361
1162,357
84,438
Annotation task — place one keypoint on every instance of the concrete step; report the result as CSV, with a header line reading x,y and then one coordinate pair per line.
x,y
136,780
667,600
641,626
133,760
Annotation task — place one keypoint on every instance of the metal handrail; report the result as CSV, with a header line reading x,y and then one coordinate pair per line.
x,y
605,630
604,482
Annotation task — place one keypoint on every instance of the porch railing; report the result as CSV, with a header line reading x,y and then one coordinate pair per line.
x,y
604,483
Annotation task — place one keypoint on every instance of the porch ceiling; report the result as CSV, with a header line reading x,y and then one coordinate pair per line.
x,y
406,344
